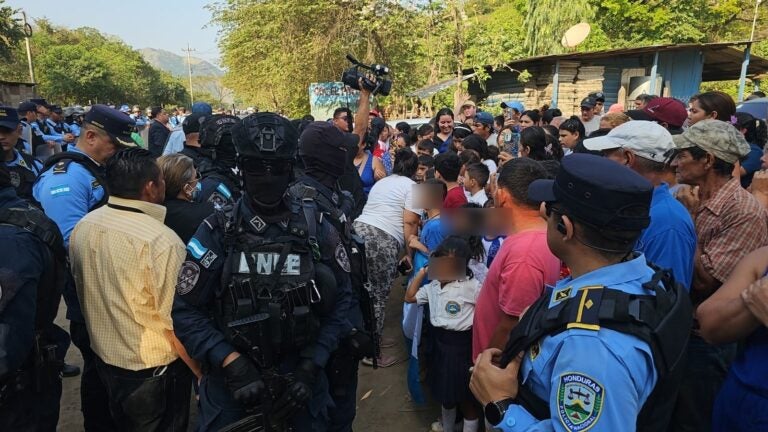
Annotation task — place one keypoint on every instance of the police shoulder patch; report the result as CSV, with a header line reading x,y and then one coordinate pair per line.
x,y
208,259
580,400
561,295
342,258
188,277
535,350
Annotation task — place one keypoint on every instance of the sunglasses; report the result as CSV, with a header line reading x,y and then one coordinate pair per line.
x,y
549,208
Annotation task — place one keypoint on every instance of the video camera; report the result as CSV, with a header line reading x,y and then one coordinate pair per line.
x,y
376,85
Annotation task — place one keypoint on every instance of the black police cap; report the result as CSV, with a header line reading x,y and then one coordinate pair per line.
x,y
40,102
119,126
599,192
214,127
193,122
318,136
26,107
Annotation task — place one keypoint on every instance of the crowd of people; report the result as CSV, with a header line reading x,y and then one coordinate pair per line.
x,y
605,271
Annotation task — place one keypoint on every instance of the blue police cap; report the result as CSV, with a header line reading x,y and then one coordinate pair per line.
x,y
9,117
599,192
40,102
117,125
26,107
202,108
484,117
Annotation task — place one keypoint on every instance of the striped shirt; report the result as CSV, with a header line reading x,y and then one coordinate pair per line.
x,y
125,262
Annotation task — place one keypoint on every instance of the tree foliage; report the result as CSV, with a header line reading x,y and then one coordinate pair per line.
x,y
84,66
11,31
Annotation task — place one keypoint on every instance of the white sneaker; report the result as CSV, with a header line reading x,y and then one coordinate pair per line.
x,y
437,427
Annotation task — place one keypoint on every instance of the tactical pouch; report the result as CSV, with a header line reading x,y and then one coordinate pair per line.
x,y
251,335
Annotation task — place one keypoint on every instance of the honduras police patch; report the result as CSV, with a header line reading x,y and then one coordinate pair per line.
x,y
188,276
341,258
580,401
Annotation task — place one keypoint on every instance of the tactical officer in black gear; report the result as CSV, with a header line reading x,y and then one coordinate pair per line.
x,y
215,160
32,272
324,149
263,296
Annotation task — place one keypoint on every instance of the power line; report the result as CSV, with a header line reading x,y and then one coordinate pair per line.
x,y
189,68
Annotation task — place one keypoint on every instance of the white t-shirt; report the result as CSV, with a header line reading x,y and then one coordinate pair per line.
x,y
479,198
386,201
492,168
591,125
453,306
493,140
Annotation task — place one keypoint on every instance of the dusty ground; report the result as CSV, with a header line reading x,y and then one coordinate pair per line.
x,y
383,401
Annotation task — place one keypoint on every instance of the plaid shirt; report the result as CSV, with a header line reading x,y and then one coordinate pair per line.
x,y
729,225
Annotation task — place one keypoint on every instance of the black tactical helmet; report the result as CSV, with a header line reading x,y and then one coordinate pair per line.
x,y
214,129
266,136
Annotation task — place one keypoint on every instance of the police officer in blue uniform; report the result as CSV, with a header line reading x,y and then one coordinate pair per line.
x,y
601,350
70,186
215,161
32,270
262,297
324,150
58,127
40,124
23,168
32,137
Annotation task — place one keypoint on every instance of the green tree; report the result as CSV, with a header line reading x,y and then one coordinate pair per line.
x,y
11,31
547,20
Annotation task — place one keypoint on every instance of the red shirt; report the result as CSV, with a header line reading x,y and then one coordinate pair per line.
x,y
515,280
455,198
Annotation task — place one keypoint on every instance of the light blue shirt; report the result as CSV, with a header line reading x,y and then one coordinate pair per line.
x,y
596,380
52,137
670,239
67,197
175,142
18,160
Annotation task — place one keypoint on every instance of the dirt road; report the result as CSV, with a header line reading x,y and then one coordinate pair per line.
x,y
383,402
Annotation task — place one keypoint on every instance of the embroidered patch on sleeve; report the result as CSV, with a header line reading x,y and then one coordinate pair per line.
x,y
580,401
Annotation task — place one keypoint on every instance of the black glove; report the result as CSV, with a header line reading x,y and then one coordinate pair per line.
x,y
244,381
298,392
360,345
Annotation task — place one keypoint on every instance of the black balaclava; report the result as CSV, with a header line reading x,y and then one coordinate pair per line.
x,y
265,185
324,151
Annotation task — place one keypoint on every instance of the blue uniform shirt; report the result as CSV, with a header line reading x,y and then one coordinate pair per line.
x,y
68,196
74,128
52,136
23,260
670,239
200,279
19,161
596,380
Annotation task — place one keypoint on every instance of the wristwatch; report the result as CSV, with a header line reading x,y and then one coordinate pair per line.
x,y
494,411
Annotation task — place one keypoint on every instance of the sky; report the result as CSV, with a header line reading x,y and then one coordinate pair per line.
x,y
160,24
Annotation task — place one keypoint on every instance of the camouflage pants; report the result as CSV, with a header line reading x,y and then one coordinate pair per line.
x,y
381,253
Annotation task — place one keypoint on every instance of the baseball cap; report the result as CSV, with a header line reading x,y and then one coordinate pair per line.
x,y
667,110
116,124
202,108
484,117
40,102
597,191
26,107
467,103
192,123
598,96
714,136
647,139
9,117
57,109
514,105
125,108
588,102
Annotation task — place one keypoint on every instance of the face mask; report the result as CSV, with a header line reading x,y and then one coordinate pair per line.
x,y
266,191
194,194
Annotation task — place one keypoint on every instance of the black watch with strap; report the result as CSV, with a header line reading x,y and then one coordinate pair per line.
x,y
494,411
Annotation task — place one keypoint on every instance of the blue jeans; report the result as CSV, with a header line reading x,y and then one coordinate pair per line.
x,y
704,375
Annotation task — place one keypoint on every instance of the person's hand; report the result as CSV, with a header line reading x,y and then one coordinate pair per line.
x,y
759,187
491,383
363,90
68,137
409,260
244,381
755,296
299,391
510,122
504,157
689,197
414,242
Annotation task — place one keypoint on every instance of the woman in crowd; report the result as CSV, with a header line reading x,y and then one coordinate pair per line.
x,y
613,119
756,134
572,133
369,167
444,125
476,143
529,118
388,218
549,115
537,145
460,131
182,185
715,105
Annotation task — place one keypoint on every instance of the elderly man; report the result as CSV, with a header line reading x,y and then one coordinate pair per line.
x,y
730,223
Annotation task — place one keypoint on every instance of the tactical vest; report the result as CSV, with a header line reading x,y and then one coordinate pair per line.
x,y
60,163
208,169
663,321
272,281
23,176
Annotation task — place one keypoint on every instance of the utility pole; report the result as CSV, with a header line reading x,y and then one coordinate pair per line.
x,y
27,35
189,68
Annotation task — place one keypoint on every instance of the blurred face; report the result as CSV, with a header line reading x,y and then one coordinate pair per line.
x,y
163,117
696,113
599,107
568,139
469,111
481,129
421,172
639,104
342,122
587,113
8,138
687,169
605,124
525,122
384,135
445,124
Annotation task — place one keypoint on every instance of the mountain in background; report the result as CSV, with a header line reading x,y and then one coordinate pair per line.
x,y
177,64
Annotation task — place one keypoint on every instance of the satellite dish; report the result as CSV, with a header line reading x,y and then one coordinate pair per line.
x,y
576,35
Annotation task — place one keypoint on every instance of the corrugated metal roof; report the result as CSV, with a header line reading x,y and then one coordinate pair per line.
x,y
722,60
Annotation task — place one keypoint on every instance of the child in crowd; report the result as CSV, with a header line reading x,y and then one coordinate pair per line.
x,y
425,163
424,148
475,179
431,235
425,132
467,157
451,296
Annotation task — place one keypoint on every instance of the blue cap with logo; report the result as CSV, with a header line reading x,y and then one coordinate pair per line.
x,y
597,191
116,124
202,108
9,117
484,117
